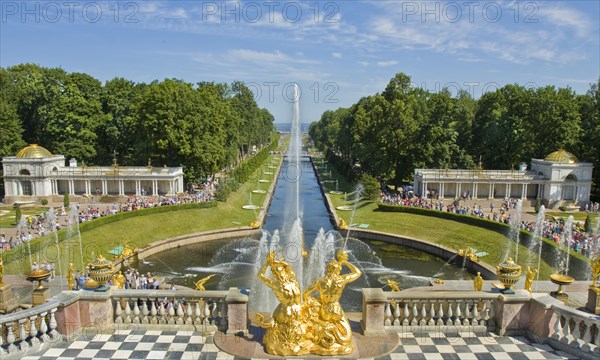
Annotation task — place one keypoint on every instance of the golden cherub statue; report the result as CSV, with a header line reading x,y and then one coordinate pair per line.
x,y
343,225
478,282
119,280
70,278
529,277
200,283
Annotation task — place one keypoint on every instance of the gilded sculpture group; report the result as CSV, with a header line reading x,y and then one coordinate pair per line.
x,y
302,324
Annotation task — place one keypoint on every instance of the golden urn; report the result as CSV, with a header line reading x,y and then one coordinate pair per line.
x,y
100,270
509,274
560,280
38,275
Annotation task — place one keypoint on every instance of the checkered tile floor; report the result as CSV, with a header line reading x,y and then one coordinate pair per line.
x,y
136,344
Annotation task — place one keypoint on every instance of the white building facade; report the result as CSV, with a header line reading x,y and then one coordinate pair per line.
x,y
557,179
34,173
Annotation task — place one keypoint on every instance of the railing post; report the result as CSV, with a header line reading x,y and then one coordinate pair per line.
x,y
512,313
237,312
373,321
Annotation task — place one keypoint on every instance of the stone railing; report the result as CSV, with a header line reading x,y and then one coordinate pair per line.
x,y
575,332
28,330
427,311
205,311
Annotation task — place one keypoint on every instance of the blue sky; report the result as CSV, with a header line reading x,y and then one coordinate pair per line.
x,y
337,51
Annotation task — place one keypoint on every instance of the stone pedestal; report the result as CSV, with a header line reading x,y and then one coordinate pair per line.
x,y
561,296
7,301
373,319
593,303
39,296
237,312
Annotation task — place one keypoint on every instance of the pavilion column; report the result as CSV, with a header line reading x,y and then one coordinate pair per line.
x,y
524,193
442,190
154,186
121,187
170,187
458,190
507,191
71,187
104,187
88,187
138,187
475,187
491,191
424,192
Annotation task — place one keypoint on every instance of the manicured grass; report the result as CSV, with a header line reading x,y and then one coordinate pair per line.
x,y
140,231
7,215
577,216
445,232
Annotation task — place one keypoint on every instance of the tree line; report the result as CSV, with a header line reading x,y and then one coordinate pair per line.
x,y
203,127
390,134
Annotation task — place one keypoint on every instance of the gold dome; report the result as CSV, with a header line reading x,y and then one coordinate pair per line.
x,y
34,151
561,156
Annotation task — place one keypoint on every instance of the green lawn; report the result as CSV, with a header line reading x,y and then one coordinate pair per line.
x,y
577,216
7,215
140,231
445,232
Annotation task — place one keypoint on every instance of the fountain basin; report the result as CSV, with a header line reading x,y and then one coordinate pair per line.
x,y
250,207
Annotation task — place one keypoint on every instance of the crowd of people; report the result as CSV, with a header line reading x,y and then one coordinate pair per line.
x,y
581,241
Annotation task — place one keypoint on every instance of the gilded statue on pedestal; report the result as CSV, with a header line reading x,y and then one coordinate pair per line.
x,y
529,277
70,278
286,329
394,286
331,332
478,282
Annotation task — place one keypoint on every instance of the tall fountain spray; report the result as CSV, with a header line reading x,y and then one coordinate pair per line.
x,y
538,234
515,229
73,230
51,219
21,226
562,266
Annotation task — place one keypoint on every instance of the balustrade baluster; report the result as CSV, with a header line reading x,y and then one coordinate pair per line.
x,y
486,313
586,340
467,319
179,314
10,337
205,321
153,312
145,311
127,315
558,329
33,340
431,321
197,314
188,313
576,334
457,320
397,313
118,312
476,314
440,314
53,324
22,323
415,314
171,319
388,314
597,340
450,314
405,314
567,330
136,313
44,327
423,320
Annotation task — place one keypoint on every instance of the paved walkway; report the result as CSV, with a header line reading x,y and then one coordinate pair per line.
x,y
152,344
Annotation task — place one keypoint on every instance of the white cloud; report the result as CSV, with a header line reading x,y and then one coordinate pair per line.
x,y
387,63
337,55
566,17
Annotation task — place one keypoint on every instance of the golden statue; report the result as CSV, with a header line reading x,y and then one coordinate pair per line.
x,y
331,332
286,329
200,283
119,280
255,224
70,278
478,282
595,270
343,225
529,277
393,285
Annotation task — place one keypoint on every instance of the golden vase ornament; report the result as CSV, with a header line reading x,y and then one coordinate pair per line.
x,y
509,274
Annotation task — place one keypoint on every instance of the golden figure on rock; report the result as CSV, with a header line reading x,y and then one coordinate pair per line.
x,y
286,329
200,283
332,335
478,282
394,286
